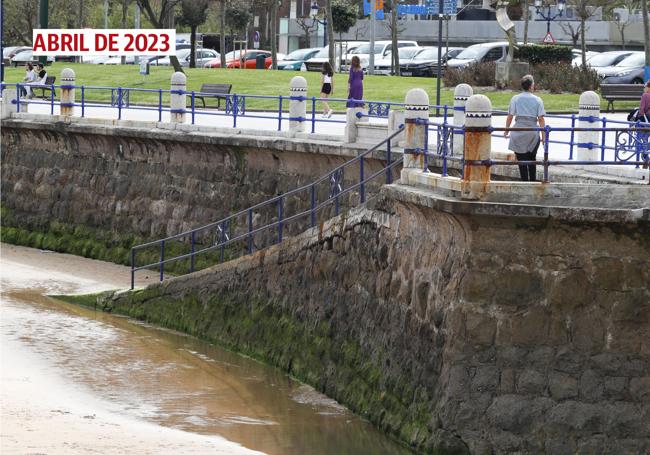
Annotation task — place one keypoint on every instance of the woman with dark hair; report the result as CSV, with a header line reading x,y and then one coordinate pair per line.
x,y
528,111
30,77
644,105
327,87
355,83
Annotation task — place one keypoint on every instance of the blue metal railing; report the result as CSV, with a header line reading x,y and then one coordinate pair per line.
x,y
222,230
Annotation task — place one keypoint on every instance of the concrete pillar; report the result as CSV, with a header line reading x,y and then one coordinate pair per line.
x,y
589,106
417,108
297,103
9,102
462,92
354,116
178,101
478,140
67,92
395,121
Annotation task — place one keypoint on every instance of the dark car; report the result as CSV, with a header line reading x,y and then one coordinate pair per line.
x,y
628,71
425,62
295,61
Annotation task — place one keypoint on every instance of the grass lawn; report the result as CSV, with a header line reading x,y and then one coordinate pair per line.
x,y
266,82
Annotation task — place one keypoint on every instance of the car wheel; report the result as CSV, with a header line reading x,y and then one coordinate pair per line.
x,y
638,80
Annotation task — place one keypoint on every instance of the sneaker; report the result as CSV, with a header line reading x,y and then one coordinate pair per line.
x,y
329,113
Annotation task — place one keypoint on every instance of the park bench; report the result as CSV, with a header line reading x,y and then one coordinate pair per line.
x,y
214,91
613,92
49,80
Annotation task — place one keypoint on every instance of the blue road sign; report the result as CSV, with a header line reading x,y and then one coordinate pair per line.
x,y
367,7
430,7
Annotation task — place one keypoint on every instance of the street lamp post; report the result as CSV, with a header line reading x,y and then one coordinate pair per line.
x,y
539,9
315,10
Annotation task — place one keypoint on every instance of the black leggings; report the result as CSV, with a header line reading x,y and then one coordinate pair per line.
x,y
528,171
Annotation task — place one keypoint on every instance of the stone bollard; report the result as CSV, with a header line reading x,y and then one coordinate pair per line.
x,y
462,92
9,102
297,104
417,108
354,116
478,139
588,117
395,121
67,92
178,101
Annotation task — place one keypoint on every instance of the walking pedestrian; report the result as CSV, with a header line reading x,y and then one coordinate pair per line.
x,y
327,87
643,115
528,111
355,83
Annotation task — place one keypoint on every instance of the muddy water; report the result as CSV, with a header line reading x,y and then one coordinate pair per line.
x,y
113,379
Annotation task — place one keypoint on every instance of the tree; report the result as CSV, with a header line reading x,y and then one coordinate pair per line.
x,y
222,32
572,31
646,34
526,19
584,10
237,18
164,19
20,19
330,33
307,25
344,16
630,6
193,15
395,28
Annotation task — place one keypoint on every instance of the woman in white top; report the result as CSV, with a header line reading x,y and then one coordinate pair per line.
x,y
30,77
327,87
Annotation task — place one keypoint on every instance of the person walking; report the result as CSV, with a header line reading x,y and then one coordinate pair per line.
x,y
643,115
327,87
355,83
528,111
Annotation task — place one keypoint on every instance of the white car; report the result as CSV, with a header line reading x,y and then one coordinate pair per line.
x,y
605,60
382,50
384,65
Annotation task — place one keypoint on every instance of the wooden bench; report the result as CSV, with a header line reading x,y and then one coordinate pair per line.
x,y
214,91
627,92
49,80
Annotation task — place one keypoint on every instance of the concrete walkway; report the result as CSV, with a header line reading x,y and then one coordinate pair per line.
x,y
335,126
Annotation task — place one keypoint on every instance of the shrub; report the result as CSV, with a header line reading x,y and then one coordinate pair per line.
x,y
536,54
481,75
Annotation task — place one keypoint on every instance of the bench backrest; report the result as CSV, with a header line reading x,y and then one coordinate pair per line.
x,y
622,89
49,80
216,88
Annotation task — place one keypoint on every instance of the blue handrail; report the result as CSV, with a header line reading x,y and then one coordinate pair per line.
x,y
282,218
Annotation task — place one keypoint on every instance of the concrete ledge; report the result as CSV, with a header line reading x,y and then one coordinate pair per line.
x,y
551,194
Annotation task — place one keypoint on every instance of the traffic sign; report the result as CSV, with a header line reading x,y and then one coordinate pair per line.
x,y
548,39
430,7
256,39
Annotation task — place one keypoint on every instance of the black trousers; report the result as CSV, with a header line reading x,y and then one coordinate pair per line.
x,y
528,171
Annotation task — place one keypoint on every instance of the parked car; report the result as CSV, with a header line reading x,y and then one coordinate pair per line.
x,y
233,59
117,60
425,61
607,59
295,61
384,65
27,56
345,48
577,58
480,53
629,71
9,52
95,59
381,50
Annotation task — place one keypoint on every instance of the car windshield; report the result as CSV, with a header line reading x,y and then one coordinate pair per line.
x,y
603,59
365,49
427,54
23,54
408,52
324,52
633,60
472,53
298,54
233,55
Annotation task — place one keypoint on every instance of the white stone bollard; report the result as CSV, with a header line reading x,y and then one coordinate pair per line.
x,y
178,101
67,92
395,121
9,102
462,92
354,116
588,117
478,139
297,104
417,108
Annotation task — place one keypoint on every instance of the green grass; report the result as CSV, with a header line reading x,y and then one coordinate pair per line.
x,y
266,82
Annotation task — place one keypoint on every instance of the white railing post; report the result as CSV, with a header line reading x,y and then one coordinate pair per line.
x,y
297,104
68,79
416,114
588,117
478,137
462,92
178,101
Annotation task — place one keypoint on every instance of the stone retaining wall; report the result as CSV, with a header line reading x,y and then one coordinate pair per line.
x,y
453,332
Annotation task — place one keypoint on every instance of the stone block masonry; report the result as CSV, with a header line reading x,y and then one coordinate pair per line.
x,y
454,329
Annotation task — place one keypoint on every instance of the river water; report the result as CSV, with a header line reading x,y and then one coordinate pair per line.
x,y
77,381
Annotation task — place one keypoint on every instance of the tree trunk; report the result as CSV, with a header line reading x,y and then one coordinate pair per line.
x,y
393,38
81,13
330,33
222,33
526,11
646,33
622,30
274,35
583,44
193,46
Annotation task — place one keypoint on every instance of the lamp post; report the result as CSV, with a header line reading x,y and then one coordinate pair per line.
x,y
539,9
315,10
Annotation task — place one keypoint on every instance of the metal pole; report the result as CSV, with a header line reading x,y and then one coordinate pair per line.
x,y
136,23
439,70
2,63
43,10
105,13
371,56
